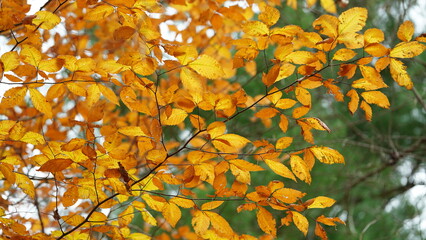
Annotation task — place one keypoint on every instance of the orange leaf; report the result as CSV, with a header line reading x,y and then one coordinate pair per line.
x,y
327,155
200,222
354,102
322,202
55,165
329,221
280,169
344,54
320,232
269,15
367,109
266,221
40,102
288,195
211,205
301,222
220,224
283,142
24,183
172,213
399,74
406,31
303,96
300,169
376,97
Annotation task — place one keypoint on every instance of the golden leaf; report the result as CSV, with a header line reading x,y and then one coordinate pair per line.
x,y
266,221
108,94
182,202
301,57
177,116
132,131
327,155
300,169
329,221
407,50
374,35
285,103
40,102
399,74
329,5
352,20
283,142
24,183
367,109
30,54
406,31
244,165
322,202
51,65
354,102
10,61
172,213
211,205
48,20
55,165
269,15
301,222
33,138
315,123
256,29
220,224
280,169
288,195
99,13
344,54
200,222
303,96
207,67
230,142
376,97
327,25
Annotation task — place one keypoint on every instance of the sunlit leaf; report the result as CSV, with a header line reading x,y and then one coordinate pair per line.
x,y
48,20
301,222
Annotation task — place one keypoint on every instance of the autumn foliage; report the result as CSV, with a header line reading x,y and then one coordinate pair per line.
x,y
125,109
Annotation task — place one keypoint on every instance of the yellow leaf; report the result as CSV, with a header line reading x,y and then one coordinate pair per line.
x,y
352,20
241,175
5,126
126,216
354,102
172,213
207,67
300,169
367,109
288,195
256,29
156,155
55,165
301,111
132,131
191,81
51,65
285,103
145,66
99,13
376,97
98,218
10,61
344,54
374,35
24,183
406,31
182,202
399,74
138,236
108,94
73,219
40,102
111,66
244,165
200,222
269,15
283,142
283,123
301,57
7,171
407,50
30,54
327,25
230,142
329,6
266,221
220,224
33,138
84,65
17,131
216,129
177,116
376,50
322,202
47,19
301,222
315,123
327,155
329,221
148,218
211,205
93,95
303,96
280,169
